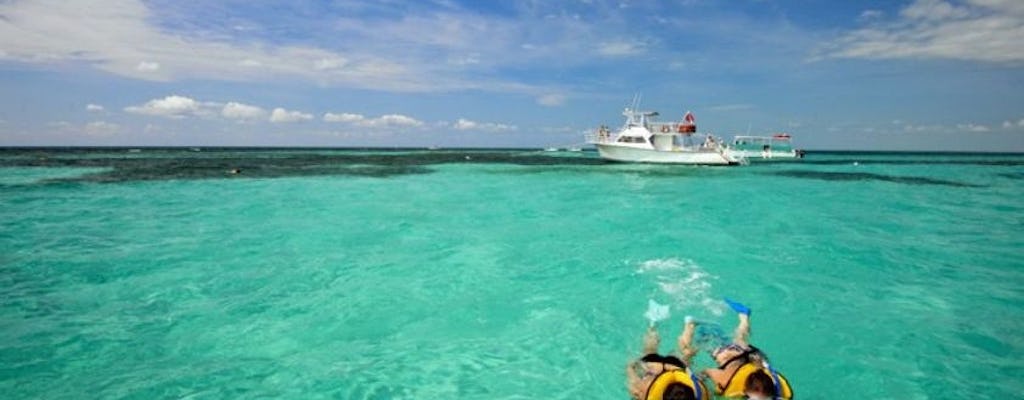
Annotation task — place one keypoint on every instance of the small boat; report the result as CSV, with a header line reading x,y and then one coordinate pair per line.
x,y
574,149
775,147
552,149
643,140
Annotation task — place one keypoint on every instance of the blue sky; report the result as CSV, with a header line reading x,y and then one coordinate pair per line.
x,y
866,75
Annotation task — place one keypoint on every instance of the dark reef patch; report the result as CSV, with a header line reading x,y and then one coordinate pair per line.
x,y
164,164
864,176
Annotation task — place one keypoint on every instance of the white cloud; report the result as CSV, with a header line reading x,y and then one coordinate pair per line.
x,y
463,124
116,34
281,115
102,128
551,100
933,10
239,111
921,128
324,64
973,128
173,106
93,107
343,117
619,48
978,30
871,14
389,120
403,49
146,66
396,120
465,60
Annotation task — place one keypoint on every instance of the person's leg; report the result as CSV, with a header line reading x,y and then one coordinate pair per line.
x,y
742,334
686,348
651,340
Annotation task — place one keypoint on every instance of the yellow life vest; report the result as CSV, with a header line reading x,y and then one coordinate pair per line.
x,y
734,388
662,381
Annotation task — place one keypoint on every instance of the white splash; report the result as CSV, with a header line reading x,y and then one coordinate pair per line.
x,y
685,284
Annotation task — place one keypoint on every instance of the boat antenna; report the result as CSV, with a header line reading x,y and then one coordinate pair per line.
x,y
748,129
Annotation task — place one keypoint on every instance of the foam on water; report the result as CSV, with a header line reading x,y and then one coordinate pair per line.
x,y
684,284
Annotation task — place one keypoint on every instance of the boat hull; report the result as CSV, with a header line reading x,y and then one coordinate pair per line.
x,y
640,155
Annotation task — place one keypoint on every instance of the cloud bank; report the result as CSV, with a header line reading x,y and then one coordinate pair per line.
x,y
975,30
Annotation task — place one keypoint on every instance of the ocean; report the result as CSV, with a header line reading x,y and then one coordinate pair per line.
x,y
498,274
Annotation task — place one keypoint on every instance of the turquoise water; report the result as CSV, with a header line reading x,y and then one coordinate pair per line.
x,y
508,275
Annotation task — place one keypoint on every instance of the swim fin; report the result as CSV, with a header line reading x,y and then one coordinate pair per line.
x,y
738,307
656,312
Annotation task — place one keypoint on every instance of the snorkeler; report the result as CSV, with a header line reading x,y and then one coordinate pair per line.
x,y
743,370
658,377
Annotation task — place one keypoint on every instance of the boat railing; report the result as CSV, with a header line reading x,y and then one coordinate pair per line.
x,y
600,137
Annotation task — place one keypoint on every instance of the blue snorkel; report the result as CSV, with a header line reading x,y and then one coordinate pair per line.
x,y
775,379
696,384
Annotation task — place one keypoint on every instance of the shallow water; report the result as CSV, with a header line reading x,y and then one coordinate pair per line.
x,y
499,274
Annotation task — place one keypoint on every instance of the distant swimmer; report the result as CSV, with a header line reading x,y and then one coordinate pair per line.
x,y
743,370
658,377
235,171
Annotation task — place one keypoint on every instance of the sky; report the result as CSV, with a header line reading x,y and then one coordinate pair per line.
x,y
925,75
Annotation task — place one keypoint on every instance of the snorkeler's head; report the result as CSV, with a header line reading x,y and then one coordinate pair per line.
x,y
759,384
678,391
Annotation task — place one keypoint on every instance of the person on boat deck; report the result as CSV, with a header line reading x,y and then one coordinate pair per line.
x,y
658,377
743,370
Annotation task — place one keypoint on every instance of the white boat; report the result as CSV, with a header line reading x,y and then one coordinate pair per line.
x,y
775,147
645,141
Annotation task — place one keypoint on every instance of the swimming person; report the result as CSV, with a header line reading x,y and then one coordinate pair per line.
x,y
743,370
658,377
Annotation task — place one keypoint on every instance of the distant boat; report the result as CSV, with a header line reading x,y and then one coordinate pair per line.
x,y
756,148
574,149
551,149
642,140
